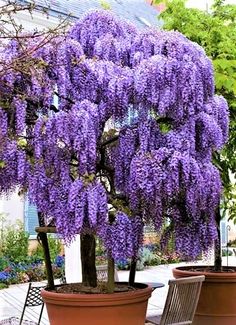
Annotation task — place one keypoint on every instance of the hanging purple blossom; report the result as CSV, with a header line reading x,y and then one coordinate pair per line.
x,y
124,237
20,111
97,24
3,125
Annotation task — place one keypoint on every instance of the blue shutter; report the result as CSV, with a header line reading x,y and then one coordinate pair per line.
x,y
31,218
223,230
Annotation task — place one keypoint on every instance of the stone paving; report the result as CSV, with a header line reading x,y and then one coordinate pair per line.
x,y
12,299
11,305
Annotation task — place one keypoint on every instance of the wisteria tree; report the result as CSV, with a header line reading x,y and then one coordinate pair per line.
x,y
154,165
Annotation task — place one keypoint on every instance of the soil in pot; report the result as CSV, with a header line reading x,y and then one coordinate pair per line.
x,y
101,288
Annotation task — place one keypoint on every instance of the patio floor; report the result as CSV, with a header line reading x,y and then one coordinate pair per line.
x,y
12,299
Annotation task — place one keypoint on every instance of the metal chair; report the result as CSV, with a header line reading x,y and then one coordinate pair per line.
x,y
181,302
33,298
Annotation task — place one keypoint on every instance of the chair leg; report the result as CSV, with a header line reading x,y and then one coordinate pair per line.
x,y
22,315
41,312
23,311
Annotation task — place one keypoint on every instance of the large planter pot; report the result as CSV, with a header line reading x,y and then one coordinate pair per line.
x,y
217,302
123,308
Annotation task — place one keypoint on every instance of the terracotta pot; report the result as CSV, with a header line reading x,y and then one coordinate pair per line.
x,y
217,302
125,308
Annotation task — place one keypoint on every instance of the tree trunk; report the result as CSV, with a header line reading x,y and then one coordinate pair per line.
x,y
89,274
218,259
111,275
132,272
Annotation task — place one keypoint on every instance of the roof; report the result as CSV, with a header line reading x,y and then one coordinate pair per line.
x,y
139,12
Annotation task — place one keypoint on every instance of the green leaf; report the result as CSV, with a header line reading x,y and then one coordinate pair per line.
x,y
2,164
105,5
22,143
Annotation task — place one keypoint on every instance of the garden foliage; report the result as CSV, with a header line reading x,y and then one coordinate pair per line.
x,y
28,270
17,264
13,241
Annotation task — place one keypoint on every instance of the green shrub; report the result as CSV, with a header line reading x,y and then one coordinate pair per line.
x,y
3,286
100,250
14,242
16,266
226,252
54,248
147,258
3,263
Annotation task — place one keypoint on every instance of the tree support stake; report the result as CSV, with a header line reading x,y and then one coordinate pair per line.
x,y
44,240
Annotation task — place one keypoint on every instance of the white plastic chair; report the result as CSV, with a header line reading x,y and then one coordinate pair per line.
x,y
181,302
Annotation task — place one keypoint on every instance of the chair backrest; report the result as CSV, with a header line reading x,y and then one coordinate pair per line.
x,y
182,300
33,297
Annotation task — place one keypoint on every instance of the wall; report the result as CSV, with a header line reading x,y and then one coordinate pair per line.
x,y
13,207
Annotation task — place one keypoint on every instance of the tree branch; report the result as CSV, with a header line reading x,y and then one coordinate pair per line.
x,y
109,141
63,97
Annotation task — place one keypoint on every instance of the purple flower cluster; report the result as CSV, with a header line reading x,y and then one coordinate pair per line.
x,y
103,35
20,111
3,125
72,134
8,167
69,55
86,208
160,166
124,237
